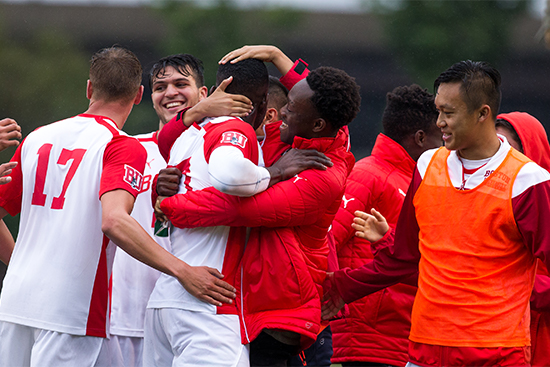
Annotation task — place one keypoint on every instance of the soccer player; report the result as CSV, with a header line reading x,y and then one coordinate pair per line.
x,y
75,185
472,225
377,327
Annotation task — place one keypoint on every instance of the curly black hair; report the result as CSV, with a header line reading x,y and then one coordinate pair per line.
x,y
335,95
408,109
479,83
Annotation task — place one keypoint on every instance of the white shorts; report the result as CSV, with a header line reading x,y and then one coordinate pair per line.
x,y
27,346
177,338
131,349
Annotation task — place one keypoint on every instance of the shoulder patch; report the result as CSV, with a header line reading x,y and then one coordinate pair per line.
x,y
234,138
133,177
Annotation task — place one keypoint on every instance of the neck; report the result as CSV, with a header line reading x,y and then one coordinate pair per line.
x,y
116,111
485,148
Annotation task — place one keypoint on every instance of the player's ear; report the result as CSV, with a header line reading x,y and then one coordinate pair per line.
x,y
319,125
139,95
203,93
89,89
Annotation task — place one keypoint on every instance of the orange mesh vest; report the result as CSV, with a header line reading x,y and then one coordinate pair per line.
x,y
475,273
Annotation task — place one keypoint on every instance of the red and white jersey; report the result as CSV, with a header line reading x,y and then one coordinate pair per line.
x,y
133,281
217,247
59,271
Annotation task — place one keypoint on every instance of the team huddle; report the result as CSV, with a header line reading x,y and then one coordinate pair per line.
x,y
243,233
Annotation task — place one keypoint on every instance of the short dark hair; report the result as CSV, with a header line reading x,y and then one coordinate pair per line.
x,y
277,94
249,77
335,95
408,109
479,83
115,74
186,64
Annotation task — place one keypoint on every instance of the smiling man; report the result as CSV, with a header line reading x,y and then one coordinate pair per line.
x,y
473,223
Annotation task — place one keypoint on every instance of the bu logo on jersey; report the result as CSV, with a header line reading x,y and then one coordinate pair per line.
x,y
235,138
133,177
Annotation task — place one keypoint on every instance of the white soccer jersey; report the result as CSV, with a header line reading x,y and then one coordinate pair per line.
x,y
58,274
217,247
133,281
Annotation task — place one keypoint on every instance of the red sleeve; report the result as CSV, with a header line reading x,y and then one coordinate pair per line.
x,y
235,133
11,193
298,72
123,164
298,201
540,298
392,263
170,132
531,211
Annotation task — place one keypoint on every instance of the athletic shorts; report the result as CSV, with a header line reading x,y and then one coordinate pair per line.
x,y
131,349
176,337
27,346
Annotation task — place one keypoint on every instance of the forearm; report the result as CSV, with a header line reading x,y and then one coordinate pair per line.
x,y
233,174
6,243
282,205
126,233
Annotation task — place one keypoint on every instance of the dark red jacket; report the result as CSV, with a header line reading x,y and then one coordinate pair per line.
x,y
535,144
377,328
285,261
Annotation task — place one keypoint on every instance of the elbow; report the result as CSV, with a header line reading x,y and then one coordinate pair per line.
x,y
233,185
111,225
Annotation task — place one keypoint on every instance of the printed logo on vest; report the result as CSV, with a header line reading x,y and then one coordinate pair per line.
x,y
234,138
496,180
133,177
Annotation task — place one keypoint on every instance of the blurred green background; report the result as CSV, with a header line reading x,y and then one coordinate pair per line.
x,y
45,48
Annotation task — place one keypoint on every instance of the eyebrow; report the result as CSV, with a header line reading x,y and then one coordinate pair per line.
x,y
163,80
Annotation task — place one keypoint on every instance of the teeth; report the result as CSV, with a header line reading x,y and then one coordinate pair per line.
x,y
173,104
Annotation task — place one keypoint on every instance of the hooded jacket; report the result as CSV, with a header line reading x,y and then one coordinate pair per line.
x,y
535,144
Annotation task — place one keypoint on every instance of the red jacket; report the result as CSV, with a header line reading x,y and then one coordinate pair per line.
x,y
535,144
377,328
285,261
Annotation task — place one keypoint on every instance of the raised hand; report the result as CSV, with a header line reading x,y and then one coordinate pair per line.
x,y
371,227
219,103
10,132
5,170
261,52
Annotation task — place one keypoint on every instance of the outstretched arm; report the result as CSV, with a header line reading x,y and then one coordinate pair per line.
x,y
217,104
297,201
261,52
202,282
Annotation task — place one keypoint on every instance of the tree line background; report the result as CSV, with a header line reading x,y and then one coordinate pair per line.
x,y
43,71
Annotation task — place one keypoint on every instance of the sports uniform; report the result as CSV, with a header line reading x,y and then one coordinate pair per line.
x,y
377,327
133,281
57,280
475,251
222,152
